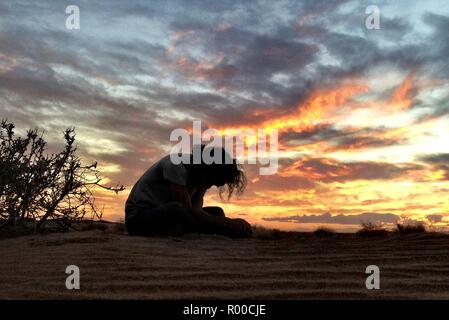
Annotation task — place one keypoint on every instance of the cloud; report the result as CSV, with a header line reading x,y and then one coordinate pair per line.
x,y
331,170
439,40
236,59
438,159
439,163
341,138
279,183
339,219
434,218
363,142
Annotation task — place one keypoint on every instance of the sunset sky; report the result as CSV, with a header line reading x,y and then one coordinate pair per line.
x,y
362,115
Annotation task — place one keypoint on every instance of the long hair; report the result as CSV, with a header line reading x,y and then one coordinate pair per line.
x,y
236,184
227,175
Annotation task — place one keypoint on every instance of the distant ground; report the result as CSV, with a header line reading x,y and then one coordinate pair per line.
x,y
295,266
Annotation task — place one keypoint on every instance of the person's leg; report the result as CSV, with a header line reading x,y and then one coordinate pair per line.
x,y
175,220
215,211
180,215
147,222
170,219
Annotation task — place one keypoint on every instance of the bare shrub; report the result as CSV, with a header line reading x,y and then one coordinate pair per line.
x,y
324,232
372,229
36,187
411,227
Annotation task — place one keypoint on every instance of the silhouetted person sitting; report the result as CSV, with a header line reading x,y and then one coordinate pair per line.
x,y
168,198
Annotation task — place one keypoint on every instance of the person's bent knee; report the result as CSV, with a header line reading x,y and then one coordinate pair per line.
x,y
215,211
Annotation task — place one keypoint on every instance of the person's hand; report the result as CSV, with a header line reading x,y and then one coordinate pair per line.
x,y
239,228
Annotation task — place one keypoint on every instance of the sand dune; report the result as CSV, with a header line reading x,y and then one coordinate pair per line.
x,y
116,266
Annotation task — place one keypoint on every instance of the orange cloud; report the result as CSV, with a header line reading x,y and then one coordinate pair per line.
x,y
401,98
331,170
318,107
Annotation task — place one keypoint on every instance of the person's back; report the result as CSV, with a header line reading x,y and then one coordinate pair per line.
x,y
153,188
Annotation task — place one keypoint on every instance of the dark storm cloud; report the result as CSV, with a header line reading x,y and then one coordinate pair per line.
x,y
340,218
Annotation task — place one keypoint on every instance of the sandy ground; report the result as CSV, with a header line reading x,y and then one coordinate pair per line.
x,y
116,266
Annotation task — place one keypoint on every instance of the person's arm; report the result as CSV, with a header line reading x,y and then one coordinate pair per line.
x,y
222,225
181,194
198,199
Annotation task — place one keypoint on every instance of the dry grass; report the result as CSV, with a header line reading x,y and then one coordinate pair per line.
x,y
372,229
324,232
411,228
272,234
